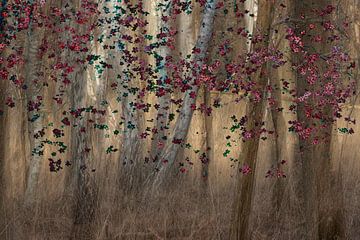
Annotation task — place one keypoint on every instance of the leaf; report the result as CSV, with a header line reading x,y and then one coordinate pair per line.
x,y
226,153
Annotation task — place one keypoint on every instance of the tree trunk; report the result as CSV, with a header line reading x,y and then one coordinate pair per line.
x,y
35,116
280,135
225,19
183,122
255,113
81,184
84,189
132,149
3,122
279,197
163,101
323,219
209,140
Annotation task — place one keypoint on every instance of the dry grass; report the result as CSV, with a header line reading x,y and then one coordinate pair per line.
x,y
185,212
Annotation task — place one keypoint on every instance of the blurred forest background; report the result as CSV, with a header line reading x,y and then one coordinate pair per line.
x,y
124,119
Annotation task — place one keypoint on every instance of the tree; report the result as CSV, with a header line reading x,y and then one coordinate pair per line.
x,y
33,101
254,113
182,123
89,74
323,220
227,20
164,19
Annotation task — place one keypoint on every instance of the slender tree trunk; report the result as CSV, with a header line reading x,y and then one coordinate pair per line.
x,y
255,113
225,19
35,116
3,121
183,122
12,127
164,100
279,197
80,183
279,184
82,186
3,88
132,149
209,139
130,154
84,189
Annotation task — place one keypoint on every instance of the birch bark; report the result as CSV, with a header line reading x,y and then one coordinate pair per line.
x,y
183,122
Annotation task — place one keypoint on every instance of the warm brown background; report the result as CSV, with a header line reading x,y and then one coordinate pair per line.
x,y
188,207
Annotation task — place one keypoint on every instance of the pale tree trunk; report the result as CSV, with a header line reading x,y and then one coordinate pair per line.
x,y
132,149
80,184
163,101
183,122
130,155
12,126
33,81
84,194
254,112
187,26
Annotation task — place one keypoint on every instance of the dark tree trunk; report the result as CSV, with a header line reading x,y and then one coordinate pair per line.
x,y
318,199
255,113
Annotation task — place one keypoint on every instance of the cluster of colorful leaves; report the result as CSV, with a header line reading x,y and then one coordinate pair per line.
x,y
72,30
